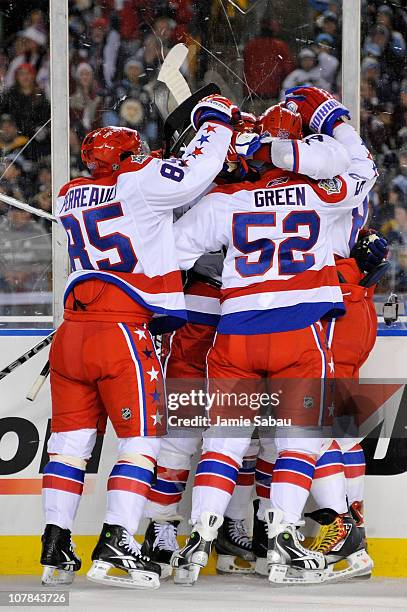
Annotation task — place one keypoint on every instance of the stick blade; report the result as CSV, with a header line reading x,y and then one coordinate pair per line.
x,y
173,61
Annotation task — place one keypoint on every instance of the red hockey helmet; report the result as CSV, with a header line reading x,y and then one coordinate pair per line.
x,y
103,149
280,122
246,123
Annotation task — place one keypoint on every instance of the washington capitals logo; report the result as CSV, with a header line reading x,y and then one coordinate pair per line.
x,y
280,180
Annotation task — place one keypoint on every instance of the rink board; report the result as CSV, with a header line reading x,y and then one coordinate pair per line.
x,y
23,432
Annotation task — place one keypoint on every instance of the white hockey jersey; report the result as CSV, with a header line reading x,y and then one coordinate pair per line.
x,y
279,271
120,228
320,156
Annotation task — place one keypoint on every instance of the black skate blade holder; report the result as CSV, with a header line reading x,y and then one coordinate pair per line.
x,y
178,130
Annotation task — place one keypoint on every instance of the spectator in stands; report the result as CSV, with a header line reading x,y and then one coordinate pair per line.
x,y
103,51
396,39
133,16
328,64
307,73
267,62
30,49
85,102
10,140
164,29
150,56
328,24
15,178
28,105
400,111
136,108
399,183
3,71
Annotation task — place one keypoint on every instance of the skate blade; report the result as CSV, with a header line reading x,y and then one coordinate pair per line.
x,y
229,564
359,565
52,576
285,574
262,566
136,579
187,575
166,571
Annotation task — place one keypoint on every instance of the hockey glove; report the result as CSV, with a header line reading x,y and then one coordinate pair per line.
x,y
318,108
370,250
214,108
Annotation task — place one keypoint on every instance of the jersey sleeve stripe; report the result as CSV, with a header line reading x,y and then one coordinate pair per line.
x,y
296,155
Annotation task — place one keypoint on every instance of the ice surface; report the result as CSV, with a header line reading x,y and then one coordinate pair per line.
x,y
229,593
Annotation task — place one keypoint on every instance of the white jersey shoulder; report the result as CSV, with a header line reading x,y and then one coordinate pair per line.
x,y
120,228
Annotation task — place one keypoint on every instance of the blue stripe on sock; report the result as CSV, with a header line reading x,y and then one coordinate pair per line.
x,y
132,471
163,486
330,457
294,465
55,468
354,458
215,467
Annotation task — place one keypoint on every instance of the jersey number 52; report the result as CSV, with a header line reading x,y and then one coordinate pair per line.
x,y
266,247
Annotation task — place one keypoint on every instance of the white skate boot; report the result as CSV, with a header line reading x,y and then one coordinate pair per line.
x,y
288,561
189,560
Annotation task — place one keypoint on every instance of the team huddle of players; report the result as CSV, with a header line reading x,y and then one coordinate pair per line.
x,y
269,226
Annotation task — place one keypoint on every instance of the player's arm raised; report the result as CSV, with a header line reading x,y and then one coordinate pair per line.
x,y
201,230
324,115
178,181
281,143
318,156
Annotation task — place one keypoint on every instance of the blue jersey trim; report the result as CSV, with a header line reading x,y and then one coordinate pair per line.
x,y
289,318
131,292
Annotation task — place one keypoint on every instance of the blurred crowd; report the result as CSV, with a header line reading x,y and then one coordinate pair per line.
x,y
116,48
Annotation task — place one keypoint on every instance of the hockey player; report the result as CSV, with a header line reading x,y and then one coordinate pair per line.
x,y
351,339
103,364
185,367
279,279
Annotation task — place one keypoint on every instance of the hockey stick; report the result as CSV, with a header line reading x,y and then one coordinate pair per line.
x,y
23,206
26,356
178,123
35,389
170,73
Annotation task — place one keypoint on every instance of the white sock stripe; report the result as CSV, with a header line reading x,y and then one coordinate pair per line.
x,y
323,373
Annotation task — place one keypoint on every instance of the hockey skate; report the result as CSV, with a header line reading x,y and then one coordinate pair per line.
x,y
288,561
234,548
116,548
58,556
189,560
357,513
340,541
160,542
260,542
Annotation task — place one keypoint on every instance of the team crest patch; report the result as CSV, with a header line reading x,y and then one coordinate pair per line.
x,y
126,414
308,402
280,180
138,159
331,185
